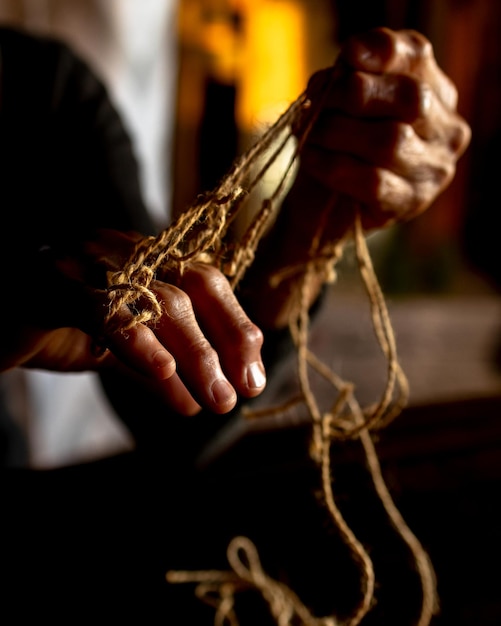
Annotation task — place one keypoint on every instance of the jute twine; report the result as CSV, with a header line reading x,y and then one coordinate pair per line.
x,y
200,235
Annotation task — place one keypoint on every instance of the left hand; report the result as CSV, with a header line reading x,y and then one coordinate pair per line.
x,y
385,144
389,134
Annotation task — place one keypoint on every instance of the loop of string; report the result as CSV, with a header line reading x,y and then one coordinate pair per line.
x,y
200,235
218,588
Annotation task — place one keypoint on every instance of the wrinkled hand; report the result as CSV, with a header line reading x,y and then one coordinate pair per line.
x,y
389,135
385,144
203,351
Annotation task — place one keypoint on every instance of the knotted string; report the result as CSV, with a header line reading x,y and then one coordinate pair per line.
x,y
200,235
347,419
218,588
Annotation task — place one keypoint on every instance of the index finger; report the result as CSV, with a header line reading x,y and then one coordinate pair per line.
x,y
382,50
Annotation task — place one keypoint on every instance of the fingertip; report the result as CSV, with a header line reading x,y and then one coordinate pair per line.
x,y
140,350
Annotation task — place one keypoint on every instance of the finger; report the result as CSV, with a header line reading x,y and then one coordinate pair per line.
x,y
197,361
385,144
171,392
239,341
137,347
385,196
177,397
394,96
140,349
382,50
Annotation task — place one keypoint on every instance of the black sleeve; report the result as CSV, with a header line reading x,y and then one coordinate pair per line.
x,y
67,162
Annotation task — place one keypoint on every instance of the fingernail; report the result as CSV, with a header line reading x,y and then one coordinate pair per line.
x,y
223,392
256,377
161,358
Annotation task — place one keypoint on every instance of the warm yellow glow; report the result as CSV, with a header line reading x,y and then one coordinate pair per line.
x,y
273,70
266,56
206,30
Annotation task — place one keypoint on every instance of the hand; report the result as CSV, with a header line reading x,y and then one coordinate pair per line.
x,y
386,144
389,135
203,351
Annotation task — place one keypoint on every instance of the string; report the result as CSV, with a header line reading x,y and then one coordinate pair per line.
x,y
200,235
218,588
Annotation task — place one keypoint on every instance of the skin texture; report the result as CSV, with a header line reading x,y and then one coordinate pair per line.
x,y
386,142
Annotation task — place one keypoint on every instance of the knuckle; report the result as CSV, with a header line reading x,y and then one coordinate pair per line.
x,y
460,137
381,186
434,174
381,41
252,334
433,181
176,304
444,173
421,45
393,196
384,35
386,41
395,138
450,93
202,351
246,334
438,175
200,273
405,136
202,276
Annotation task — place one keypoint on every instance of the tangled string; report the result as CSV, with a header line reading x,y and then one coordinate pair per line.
x,y
200,234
